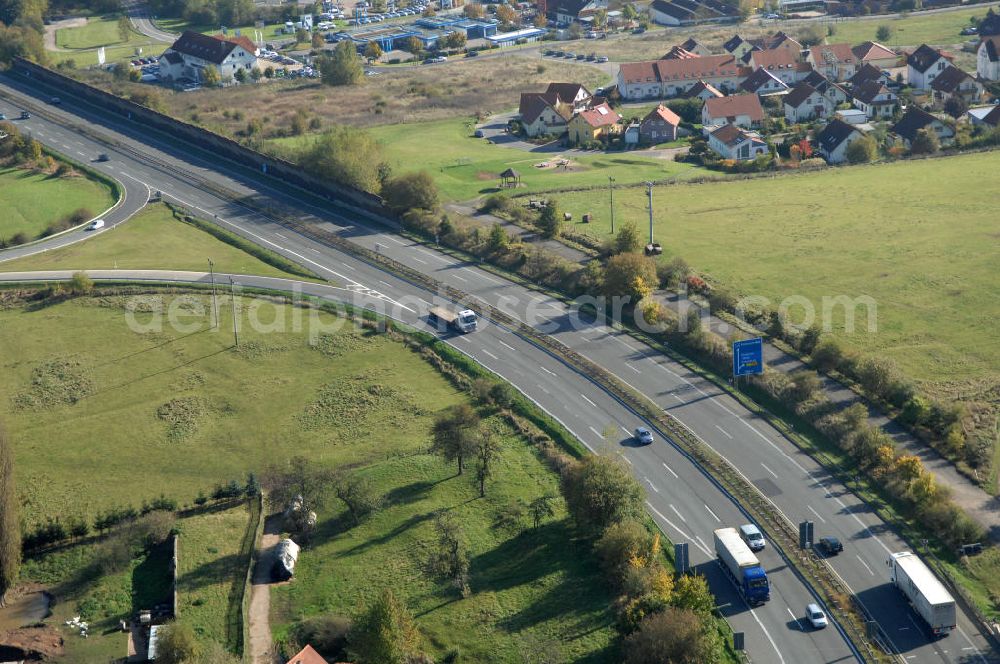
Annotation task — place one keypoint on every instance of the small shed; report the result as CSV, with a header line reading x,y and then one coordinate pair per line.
x,y
510,178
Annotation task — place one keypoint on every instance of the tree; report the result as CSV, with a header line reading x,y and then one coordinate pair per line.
x,y
411,191
883,33
627,240
255,74
301,36
359,496
862,151
925,142
473,10
691,592
629,12
601,18
541,508
176,643
827,354
804,385
956,106
454,40
298,478
346,155
622,544
210,77
269,72
344,67
675,635
240,75
487,453
373,51
123,28
506,14
550,220
10,525
451,560
600,491
631,275
317,40
499,240
384,633
414,46
454,434
80,284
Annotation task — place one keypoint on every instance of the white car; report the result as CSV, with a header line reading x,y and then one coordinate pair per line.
x,y
644,436
96,224
816,616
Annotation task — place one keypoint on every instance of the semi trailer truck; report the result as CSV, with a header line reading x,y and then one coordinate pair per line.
x,y
462,321
742,566
926,594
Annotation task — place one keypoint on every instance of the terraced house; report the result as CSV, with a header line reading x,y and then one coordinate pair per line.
x,y
665,79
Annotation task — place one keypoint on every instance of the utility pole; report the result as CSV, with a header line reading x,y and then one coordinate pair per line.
x,y
215,299
611,190
649,195
236,331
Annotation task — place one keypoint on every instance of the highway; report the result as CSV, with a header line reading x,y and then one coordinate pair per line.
x,y
682,499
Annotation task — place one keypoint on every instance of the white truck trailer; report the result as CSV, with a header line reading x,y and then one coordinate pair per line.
x,y
928,596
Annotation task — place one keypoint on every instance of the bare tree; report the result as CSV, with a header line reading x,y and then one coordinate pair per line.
x,y
451,560
298,478
487,453
454,436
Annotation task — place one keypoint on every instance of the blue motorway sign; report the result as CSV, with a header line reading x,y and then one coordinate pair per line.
x,y
748,357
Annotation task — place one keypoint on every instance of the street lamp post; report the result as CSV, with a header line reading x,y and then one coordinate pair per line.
x,y
215,300
649,195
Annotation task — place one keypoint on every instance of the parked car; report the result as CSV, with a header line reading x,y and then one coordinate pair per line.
x,y
25,115
830,546
602,58
96,224
581,56
479,133
816,616
569,56
969,31
638,31
472,54
592,57
643,436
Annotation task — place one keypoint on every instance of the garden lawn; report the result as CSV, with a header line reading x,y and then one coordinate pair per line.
x,y
84,41
30,202
919,237
210,571
532,590
153,239
465,167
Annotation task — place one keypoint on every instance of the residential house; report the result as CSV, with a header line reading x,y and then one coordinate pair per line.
x,y
689,12
568,11
763,82
924,65
988,58
659,126
732,142
741,110
692,45
658,79
702,90
571,93
544,113
189,56
592,124
876,100
835,61
778,41
866,74
781,62
833,141
875,54
806,103
987,117
737,46
827,88
916,119
307,655
953,82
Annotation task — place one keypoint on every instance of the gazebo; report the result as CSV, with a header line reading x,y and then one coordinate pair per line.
x,y
510,178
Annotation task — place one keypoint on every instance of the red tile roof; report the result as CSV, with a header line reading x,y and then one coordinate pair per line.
x,y
870,50
664,114
833,54
709,66
242,40
307,656
778,59
730,107
600,116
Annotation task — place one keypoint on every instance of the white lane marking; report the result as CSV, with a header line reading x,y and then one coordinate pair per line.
x,y
724,432
679,515
429,254
627,459
350,267
315,251
551,373
972,645
870,533
280,235
770,471
591,402
80,153
809,507
460,278
795,618
776,448
704,549
678,397
385,283
419,261
392,239
703,545
596,432
627,432
712,513
632,368
480,274
865,564
542,388
507,346
486,352
625,343
768,635
466,340
651,485
670,470
665,368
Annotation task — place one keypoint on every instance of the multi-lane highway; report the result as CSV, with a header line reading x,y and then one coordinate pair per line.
x,y
685,502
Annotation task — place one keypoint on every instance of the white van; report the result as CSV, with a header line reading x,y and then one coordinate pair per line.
x,y
752,536
96,224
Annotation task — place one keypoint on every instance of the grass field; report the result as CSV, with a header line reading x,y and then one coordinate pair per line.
x,y
209,569
31,202
84,41
177,413
916,236
152,239
465,167
940,29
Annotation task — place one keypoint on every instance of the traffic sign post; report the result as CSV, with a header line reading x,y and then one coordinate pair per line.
x,y
681,560
748,358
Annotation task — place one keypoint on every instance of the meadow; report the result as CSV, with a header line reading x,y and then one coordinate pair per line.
x,y
81,43
31,201
917,236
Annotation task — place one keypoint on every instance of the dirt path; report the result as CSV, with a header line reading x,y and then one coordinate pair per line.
x,y
50,32
260,594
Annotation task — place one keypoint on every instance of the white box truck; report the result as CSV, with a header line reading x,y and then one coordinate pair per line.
x,y
463,321
928,596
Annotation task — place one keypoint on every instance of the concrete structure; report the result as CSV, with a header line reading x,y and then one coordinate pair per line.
x,y
852,116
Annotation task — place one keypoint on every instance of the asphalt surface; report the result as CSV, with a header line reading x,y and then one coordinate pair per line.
x,y
686,503
139,15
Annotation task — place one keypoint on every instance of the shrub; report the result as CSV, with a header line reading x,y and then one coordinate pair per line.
x,y
620,544
411,191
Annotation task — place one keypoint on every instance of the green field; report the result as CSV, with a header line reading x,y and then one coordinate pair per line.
x,y
465,167
919,237
100,416
30,202
152,239
84,41
939,29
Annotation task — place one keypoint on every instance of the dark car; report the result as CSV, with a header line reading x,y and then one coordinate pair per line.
x,y
103,157
830,546
25,115
472,54
55,100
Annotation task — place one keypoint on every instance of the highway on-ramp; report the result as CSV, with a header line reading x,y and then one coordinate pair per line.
x,y
682,499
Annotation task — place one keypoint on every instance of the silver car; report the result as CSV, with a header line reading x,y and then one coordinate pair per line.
x,y
644,436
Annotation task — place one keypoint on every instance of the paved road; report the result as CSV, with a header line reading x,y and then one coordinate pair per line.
x,y
686,504
141,20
